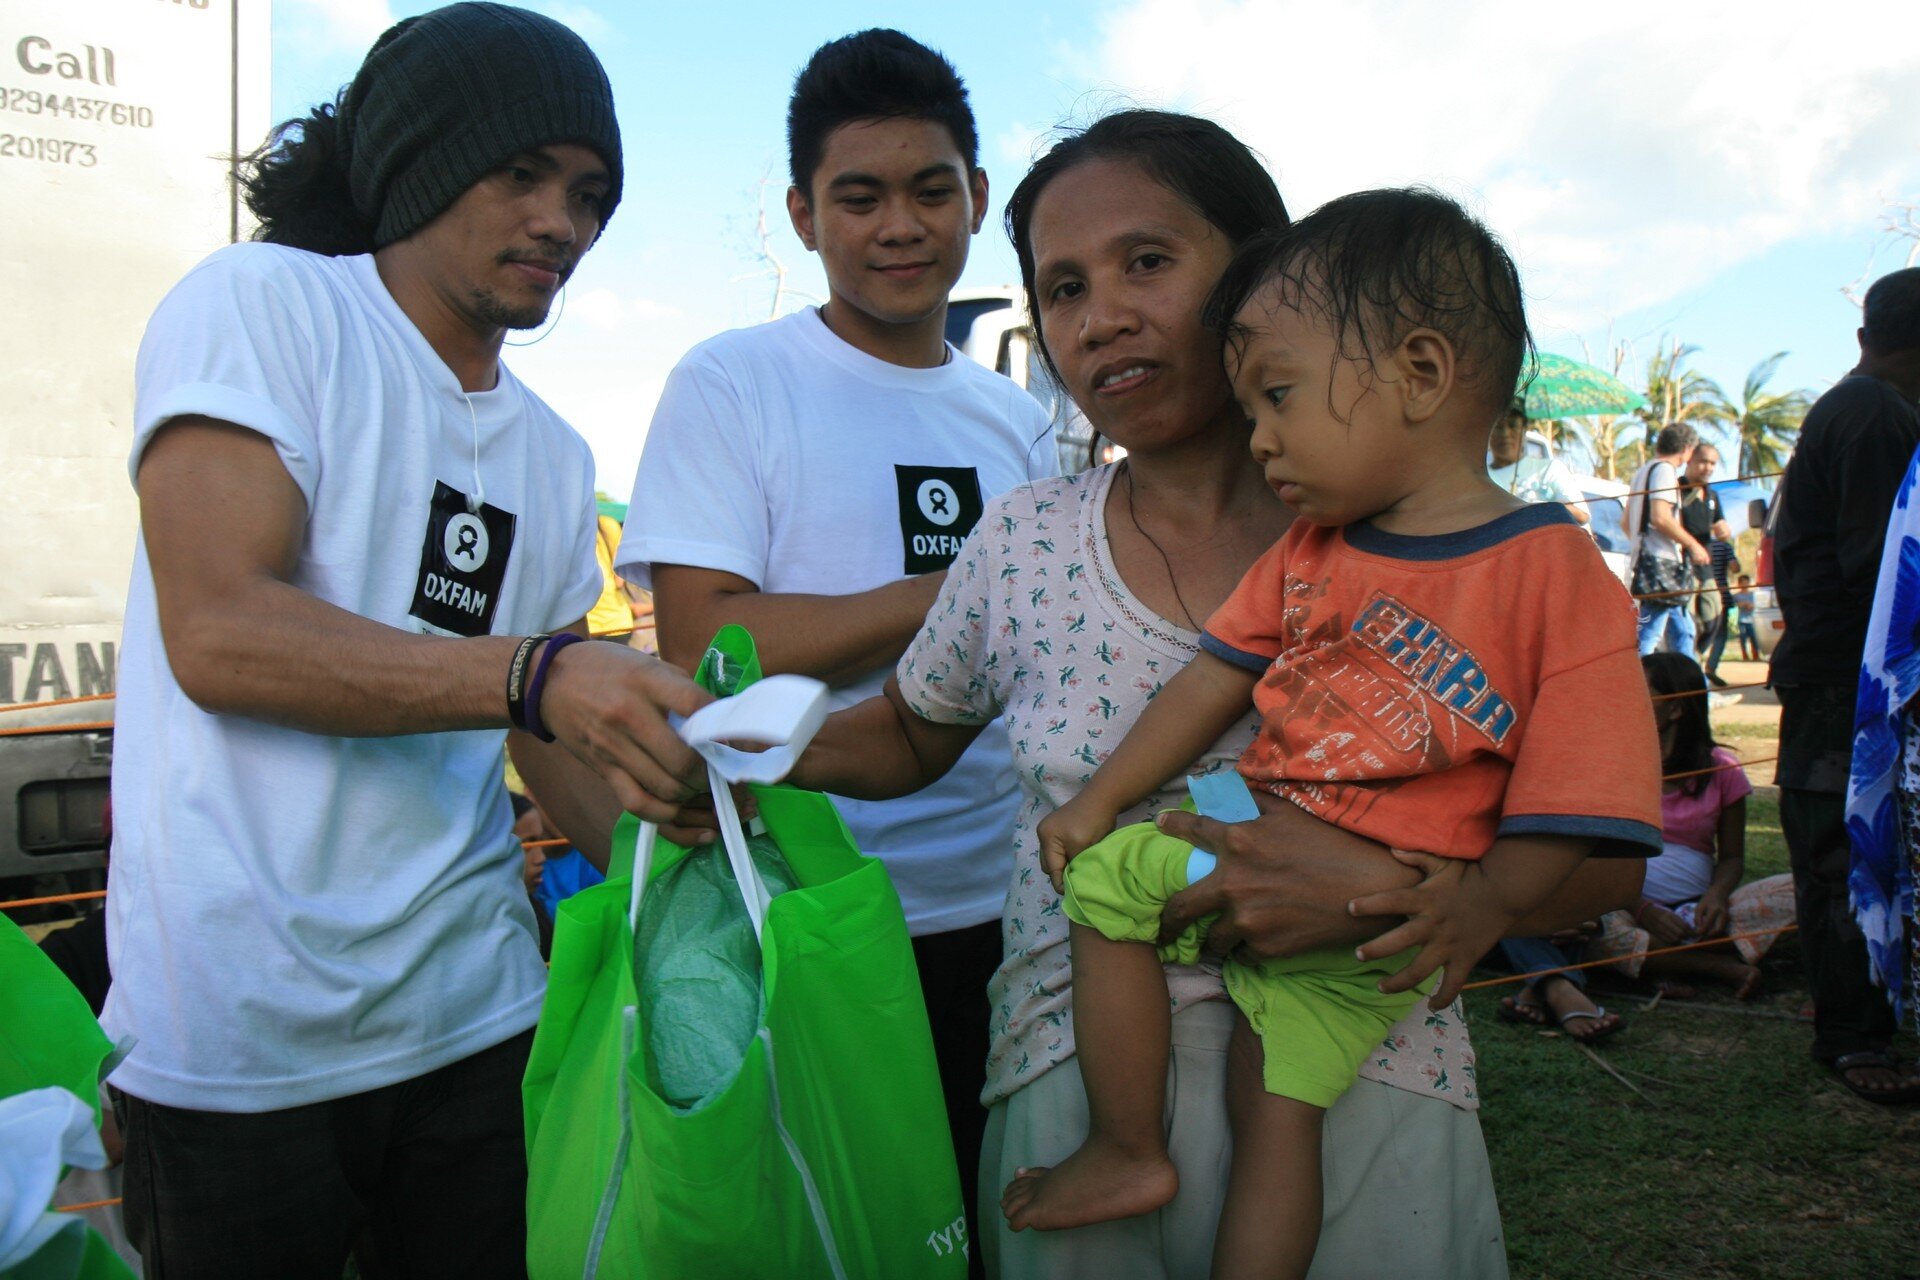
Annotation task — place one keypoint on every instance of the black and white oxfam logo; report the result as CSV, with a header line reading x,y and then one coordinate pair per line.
x,y
938,501
465,542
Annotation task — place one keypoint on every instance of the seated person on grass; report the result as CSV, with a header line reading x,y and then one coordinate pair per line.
x,y
1433,660
1693,889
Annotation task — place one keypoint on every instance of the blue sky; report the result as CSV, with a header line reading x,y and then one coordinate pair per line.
x,y
1714,171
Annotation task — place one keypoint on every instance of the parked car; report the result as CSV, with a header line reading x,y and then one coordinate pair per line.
x,y
1768,624
990,325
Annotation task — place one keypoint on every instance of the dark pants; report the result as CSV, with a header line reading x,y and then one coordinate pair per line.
x,y
1531,955
954,968
424,1178
1850,1014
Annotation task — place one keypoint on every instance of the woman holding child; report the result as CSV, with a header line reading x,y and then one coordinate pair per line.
x,y
1073,603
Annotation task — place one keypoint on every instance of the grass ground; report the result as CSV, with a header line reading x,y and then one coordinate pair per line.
x,y
1727,1154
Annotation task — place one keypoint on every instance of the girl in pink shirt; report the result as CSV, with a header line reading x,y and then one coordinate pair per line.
x,y
1693,889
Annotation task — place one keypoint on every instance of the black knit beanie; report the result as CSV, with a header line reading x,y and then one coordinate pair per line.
x,y
445,96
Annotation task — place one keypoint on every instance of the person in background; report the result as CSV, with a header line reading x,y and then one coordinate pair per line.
x,y
1662,547
1743,618
1705,521
1835,503
1531,479
1695,888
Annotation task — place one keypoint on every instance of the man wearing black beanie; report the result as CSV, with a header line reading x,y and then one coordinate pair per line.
x,y
366,553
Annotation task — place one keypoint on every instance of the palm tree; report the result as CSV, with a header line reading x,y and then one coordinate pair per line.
x,y
1767,421
1679,394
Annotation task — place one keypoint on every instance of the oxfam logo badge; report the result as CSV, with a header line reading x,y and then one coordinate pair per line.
x,y
938,502
465,542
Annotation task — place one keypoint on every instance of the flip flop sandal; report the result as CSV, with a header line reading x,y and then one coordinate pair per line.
x,y
1873,1059
1529,1014
1668,989
1599,1033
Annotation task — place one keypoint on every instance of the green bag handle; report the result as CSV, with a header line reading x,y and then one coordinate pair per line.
x,y
730,664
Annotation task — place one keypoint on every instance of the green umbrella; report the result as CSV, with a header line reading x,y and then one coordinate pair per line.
x,y
1563,388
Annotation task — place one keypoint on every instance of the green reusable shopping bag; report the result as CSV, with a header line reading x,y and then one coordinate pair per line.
x,y
49,1037
828,1155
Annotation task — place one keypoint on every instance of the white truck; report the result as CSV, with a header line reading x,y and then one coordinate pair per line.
x,y
991,326
116,118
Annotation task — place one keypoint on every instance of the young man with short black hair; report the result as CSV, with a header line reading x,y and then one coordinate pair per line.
x,y
365,547
841,455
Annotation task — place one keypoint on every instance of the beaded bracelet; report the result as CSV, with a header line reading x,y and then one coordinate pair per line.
x,y
517,680
537,685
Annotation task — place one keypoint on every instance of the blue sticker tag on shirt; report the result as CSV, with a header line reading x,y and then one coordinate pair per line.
x,y
1224,797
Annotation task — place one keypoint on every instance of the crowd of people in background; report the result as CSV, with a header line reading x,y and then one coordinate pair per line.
x,y
326,934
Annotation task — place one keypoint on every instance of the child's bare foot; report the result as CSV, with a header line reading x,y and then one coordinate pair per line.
x,y
1097,1183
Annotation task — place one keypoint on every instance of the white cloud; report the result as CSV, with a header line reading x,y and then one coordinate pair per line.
x,y
1626,150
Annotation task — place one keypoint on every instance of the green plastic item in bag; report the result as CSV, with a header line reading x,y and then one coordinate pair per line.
x,y
827,1154
700,993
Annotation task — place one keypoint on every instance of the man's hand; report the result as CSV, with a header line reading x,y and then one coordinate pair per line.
x,y
1454,916
608,705
1068,830
1283,881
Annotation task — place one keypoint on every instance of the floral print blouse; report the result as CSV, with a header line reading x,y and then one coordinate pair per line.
x,y
1035,624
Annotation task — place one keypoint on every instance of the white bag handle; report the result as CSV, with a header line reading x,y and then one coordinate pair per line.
x,y
783,712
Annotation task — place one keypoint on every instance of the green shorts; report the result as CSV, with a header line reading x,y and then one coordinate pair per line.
x,y
1318,1015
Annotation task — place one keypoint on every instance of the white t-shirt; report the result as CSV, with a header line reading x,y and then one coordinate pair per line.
x,y
1660,481
804,465
294,917
1539,480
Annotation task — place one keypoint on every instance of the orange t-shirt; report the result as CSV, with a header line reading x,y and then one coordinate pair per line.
x,y
1433,693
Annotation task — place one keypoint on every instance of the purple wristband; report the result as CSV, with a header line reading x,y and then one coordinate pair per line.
x,y
538,683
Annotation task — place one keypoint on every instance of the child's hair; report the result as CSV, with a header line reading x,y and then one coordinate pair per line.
x,y
1743,578
1215,173
1378,264
1680,677
877,74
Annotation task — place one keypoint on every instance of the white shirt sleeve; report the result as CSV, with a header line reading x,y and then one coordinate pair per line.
x,y
698,497
1564,488
234,341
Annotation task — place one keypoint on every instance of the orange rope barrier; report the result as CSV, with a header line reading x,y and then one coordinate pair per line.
x,y
91,1204
58,897
1701,589
55,702
1737,764
1636,955
1695,693
101,893
1669,488
91,726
